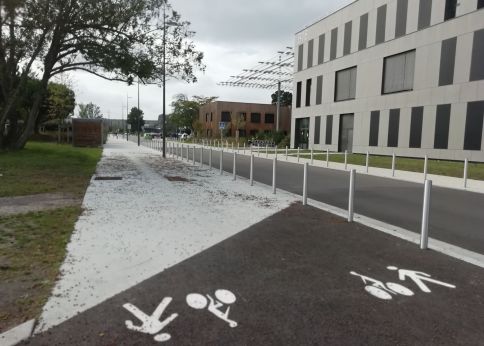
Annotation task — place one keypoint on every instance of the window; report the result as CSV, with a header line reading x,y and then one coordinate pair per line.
x,y
253,132
477,67
424,12
374,128
317,129
398,72
393,127
319,90
474,121
345,88
347,39
401,22
363,31
298,94
206,117
321,49
255,118
308,92
442,122
310,53
334,44
447,61
450,9
242,116
480,4
300,51
416,127
329,129
226,117
381,18
211,116
269,118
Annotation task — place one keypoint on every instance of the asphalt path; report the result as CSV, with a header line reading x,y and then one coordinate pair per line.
x,y
456,216
299,277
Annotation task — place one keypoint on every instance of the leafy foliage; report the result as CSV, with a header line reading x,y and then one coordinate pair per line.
x,y
134,116
286,98
185,111
113,39
89,111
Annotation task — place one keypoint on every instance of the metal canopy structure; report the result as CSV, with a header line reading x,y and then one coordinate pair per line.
x,y
275,72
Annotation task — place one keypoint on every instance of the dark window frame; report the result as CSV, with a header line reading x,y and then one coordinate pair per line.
x,y
374,129
224,114
384,72
308,92
270,115
317,129
336,83
255,118
298,94
450,9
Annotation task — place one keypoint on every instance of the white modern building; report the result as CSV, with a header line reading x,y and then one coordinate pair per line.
x,y
403,76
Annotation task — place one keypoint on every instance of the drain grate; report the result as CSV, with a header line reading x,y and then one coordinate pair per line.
x,y
176,178
108,178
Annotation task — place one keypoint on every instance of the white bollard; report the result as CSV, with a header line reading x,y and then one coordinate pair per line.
x,y
312,157
244,148
305,185
188,159
267,151
426,167
327,157
298,154
201,157
346,160
258,151
251,170
194,156
367,161
286,152
424,235
234,174
221,162
466,171
232,146
351,195
274,165
251,149
210,159
393,164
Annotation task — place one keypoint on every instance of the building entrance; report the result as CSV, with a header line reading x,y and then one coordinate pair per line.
x,y
346,122
301,139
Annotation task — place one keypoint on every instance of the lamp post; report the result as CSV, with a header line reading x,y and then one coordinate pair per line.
x,y
165,24
139,115
127,113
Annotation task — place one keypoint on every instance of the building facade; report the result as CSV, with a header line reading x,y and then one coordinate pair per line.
x,y
248,118
384,76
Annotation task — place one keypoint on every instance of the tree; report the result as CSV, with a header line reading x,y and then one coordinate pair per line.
x,y
134,115
113,39
185,111
286,98
89,111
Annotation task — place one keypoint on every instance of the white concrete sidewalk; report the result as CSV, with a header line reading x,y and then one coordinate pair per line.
x,y
136,227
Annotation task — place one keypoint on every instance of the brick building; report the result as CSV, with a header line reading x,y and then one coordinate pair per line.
x,y
250,117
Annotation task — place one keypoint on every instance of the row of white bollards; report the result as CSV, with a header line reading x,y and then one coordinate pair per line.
x,y
177,151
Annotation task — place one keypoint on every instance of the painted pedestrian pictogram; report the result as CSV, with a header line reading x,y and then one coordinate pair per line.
x,y
387,290
151,324
198,301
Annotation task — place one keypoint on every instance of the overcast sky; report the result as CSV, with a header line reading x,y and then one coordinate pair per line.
x,y
232,34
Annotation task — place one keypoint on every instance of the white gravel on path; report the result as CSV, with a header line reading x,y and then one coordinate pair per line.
x,y
136,227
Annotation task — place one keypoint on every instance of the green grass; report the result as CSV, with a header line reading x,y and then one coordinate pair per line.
x,y
33,245
440,167
47,167
32,248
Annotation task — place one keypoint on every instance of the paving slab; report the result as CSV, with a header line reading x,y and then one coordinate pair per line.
x,y
299,277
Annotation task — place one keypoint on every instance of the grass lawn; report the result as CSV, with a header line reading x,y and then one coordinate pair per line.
x,y
32,246
440,167
47,167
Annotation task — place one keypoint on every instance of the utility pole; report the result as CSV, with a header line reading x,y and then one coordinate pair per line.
x,y
139,116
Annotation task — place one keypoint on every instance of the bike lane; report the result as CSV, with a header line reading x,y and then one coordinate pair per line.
x,y
299,277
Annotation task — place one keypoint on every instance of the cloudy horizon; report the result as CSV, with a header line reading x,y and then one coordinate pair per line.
x,y
232,36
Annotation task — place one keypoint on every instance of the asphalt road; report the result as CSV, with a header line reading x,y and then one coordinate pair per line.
x,y
299,277
456,216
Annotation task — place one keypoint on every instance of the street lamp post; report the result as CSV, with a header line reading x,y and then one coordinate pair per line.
x,y
165,24
139,115
127,113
